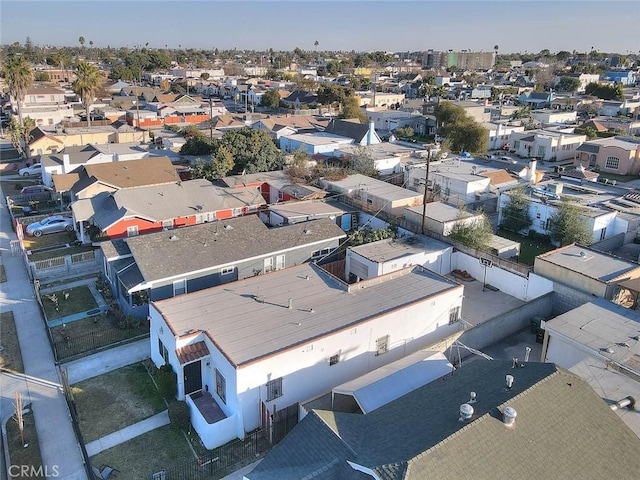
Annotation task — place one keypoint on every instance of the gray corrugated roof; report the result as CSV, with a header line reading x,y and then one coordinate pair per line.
x,y
252,320
387,250
215,244
562,430
309,209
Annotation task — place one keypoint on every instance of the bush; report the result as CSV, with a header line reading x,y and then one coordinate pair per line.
x,y
167,381
179,415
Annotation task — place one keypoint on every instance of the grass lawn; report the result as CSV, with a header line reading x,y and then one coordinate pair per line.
x,y
529,247
115,400
10,356
3,275
20,455
80,300
164,448
49,240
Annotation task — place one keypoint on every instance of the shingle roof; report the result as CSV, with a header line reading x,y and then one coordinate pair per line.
x,y
168,201
191,352
498,177
348,129
562,430
221,243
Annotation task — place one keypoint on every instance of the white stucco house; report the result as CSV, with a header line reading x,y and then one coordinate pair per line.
x,y
545,144
247,350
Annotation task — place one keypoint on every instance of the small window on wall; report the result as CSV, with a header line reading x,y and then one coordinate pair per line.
x,y
163,351
167,224
274,389
382,345
454,315
221,387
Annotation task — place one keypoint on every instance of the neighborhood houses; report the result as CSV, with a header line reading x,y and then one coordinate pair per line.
x,y
333,263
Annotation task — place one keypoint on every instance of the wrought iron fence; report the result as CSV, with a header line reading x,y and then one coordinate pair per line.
x,y
227,456
66,345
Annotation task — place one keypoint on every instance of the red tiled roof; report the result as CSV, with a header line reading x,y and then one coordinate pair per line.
x,y
192,352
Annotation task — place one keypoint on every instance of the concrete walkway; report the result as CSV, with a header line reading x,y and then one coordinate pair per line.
x,y
107,361
58,445
116,438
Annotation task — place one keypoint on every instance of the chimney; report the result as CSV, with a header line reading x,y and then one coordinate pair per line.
x,y
466,412
509,416
371,133
533,164
65,162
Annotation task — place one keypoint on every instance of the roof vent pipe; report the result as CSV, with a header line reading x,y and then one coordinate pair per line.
x,y
527,351
509,416
472,397
466,412
290,303
625,402
509,381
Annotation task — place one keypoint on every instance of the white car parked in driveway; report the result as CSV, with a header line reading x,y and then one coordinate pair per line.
x,y
35,169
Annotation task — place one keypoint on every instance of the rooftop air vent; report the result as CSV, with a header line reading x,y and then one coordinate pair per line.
x,y
466,412
509,416
228,227
509,381
172,238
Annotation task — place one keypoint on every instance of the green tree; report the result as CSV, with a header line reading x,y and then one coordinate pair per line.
x,y
473,234
88,81
252,150
515,214
468,136
406,132
18,76
81,40
568,84
197,145
219,166
361,161
568,225
369,235
42,77
329,94
351,109
448,114
271,98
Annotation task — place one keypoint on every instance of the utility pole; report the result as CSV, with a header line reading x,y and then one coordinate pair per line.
x,y
426,186
210,118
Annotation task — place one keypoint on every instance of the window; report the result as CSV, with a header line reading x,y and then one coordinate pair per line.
x,y
382,345
227,270
268,264
334,359
167,224
280,263
516,145
221,386
612,162
320,253
454,315
179,287
274,389
132,231
164,353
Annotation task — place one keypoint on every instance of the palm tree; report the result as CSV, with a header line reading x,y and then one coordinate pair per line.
x,y
19,76
86,84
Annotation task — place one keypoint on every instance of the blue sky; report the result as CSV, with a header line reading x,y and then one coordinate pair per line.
x,y
515,26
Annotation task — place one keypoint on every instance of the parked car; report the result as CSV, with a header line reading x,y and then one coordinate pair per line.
x,y
34,189
35,169
52,224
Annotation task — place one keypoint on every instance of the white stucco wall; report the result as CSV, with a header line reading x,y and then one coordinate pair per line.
x,y
306,371
563,352
523,288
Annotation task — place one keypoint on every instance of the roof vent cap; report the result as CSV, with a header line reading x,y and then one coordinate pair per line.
x,y
466,412
509,381
472,397
173,237
509,416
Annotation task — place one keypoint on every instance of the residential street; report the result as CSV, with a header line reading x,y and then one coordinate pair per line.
x,y
41,384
